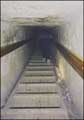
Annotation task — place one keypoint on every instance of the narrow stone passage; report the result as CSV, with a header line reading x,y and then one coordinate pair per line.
x,y
42,60
37,95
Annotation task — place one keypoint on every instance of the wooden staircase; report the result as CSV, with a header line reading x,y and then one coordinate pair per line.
x,y
37,95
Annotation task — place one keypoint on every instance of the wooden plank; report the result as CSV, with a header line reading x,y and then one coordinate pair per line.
x,y
35,114
72,59
9,48
35,100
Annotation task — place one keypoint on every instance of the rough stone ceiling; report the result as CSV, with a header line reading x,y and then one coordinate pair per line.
x,y
49,20
39,12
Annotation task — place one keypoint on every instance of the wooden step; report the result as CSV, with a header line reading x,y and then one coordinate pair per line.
x,y
35,69
37,75
39,67
36,61
35,100
32,73
44,65
37,57
39,79
35,114
37,88
39,63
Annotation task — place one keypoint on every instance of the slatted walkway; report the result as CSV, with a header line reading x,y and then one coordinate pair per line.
x,y
37,95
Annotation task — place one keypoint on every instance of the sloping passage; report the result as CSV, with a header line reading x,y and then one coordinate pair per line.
x,y
37,95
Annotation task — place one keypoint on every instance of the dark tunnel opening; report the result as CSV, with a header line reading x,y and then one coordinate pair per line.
x,y
43,40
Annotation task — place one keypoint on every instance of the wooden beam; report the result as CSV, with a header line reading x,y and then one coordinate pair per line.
x,y
72,59
9,48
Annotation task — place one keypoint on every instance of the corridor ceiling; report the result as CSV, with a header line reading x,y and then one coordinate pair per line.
x,y
39,12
